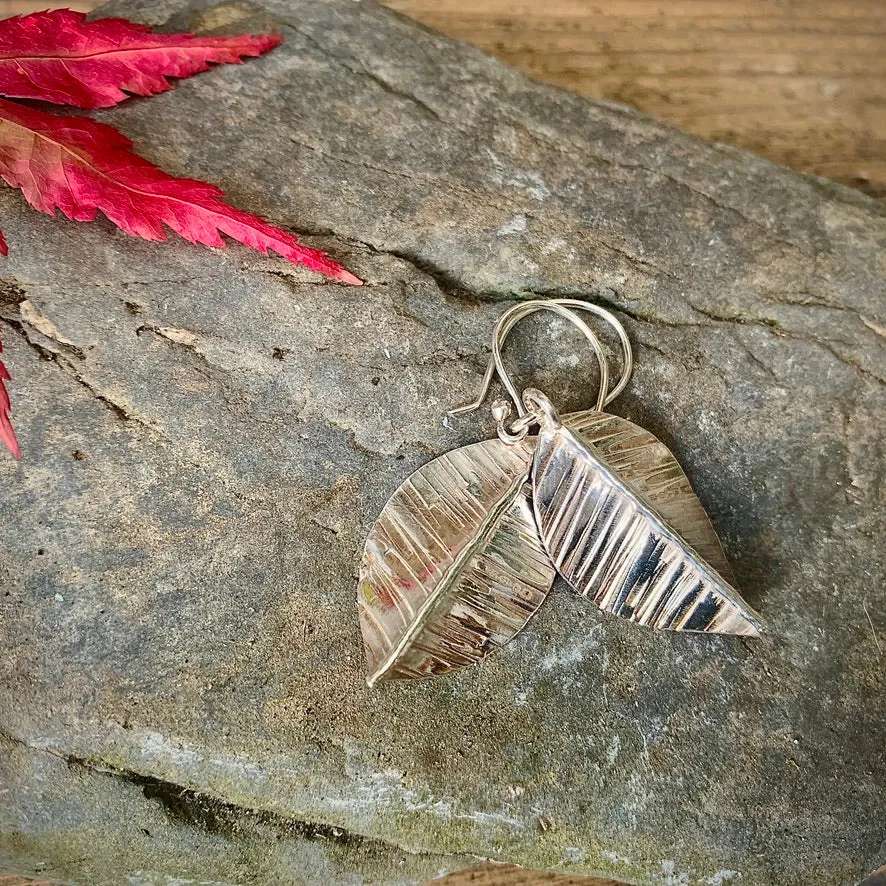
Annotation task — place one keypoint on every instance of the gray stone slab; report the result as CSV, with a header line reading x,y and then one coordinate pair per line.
x,y
208,435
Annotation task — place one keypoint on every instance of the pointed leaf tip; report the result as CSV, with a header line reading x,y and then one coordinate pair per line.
x,y
453,568
610,544
347,277
83,167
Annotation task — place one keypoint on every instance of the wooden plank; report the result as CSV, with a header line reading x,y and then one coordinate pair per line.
x,y
510,875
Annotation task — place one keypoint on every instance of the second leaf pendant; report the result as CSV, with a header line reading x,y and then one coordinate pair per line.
x,y
467,549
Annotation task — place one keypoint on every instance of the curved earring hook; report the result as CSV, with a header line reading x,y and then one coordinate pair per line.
x,y
561,307
509,320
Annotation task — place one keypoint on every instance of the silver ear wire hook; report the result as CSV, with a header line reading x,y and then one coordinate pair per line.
x,y
561,307
510,318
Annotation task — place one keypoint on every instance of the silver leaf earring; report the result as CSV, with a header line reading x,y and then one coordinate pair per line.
x,y
467,549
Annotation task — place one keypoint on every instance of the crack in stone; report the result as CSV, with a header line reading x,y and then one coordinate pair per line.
x,y
11,294
811,301
192,808
452,287
31,316
362,71
398,173
740,319
766,323
68,368
445,281
755,359
398,93
582,151
876,328
187,338
846,361
781,331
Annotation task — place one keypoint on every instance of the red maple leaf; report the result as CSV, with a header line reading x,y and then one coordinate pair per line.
x,y
59,57
83,167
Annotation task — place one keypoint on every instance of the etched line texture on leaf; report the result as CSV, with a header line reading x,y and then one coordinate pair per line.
x,y
454,566
611,545
651,470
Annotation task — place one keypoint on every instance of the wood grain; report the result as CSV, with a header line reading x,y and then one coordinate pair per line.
x,y
510,875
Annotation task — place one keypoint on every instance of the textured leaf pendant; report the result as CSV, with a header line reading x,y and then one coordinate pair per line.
x,y
454,566
649,468
611,544
466,550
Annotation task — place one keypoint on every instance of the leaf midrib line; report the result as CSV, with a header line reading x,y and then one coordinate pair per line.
x,y
485,530
106,52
